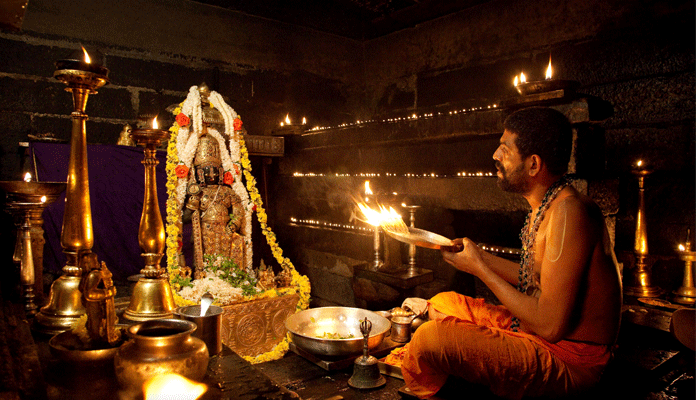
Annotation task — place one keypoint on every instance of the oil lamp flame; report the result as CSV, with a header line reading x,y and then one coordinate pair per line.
x,y
27,177
681,247
548,74
522,78
286,120
171,386
640,163
368,191
87,56
515,81
303,121
155,122
43,199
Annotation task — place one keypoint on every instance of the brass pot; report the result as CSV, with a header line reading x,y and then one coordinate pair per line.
x,y
157,347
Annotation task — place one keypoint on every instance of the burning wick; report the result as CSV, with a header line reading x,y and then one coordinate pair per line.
x,y
27,177
155,122
87,56
204,304
303,121
548,74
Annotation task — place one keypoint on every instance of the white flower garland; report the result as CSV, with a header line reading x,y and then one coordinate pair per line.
x,y
187,141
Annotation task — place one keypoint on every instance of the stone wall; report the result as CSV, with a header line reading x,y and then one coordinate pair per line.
x,y
636,56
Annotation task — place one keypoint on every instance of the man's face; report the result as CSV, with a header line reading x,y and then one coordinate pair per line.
x,y
511,169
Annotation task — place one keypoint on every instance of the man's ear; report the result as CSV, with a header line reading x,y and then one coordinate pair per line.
x,y
535,165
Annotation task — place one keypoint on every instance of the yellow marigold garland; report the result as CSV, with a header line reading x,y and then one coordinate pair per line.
x,y
300,284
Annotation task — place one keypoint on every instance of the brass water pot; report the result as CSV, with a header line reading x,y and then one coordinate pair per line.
x,y
157,347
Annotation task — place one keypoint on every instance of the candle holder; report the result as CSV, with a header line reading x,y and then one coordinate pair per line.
x,y
639,283
152,297
65,299
26,201
685,294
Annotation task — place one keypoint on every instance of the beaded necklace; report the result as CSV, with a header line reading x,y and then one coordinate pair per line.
x,y
526,283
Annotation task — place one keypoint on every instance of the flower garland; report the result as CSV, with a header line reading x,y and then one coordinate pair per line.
x,y
180,153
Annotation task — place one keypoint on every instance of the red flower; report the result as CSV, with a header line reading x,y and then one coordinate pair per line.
x,y
181,171
237,124
228,178
182,119
255,207
179,245
235,168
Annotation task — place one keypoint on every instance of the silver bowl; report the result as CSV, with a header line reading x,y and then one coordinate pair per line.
x,y
310,330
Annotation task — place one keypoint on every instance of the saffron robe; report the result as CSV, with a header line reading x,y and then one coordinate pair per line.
x,y
475,342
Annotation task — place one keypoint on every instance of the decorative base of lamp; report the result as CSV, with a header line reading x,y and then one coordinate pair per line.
x,y
64,308
684,295
643,291
152,298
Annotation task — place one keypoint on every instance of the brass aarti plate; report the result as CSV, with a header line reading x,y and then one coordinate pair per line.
x,y
422,238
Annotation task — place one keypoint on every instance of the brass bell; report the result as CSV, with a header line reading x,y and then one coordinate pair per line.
x,y
366,373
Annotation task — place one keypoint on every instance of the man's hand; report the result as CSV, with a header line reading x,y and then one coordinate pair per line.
x,y
468,260
416,305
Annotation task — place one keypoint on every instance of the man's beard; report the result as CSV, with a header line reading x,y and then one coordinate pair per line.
x,y
513,182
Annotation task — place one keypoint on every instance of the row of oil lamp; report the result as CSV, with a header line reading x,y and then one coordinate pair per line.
x,y
388,174
519,80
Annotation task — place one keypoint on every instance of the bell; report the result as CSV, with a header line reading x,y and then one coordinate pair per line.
x,y
365,374
64,308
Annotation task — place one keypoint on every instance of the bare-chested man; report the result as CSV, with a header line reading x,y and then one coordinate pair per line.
x,y
560,311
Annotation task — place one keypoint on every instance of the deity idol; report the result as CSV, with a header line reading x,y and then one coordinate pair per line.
x,y
215,210
209,189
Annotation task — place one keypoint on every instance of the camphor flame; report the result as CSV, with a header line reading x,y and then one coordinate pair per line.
x,y
87,56
389,219
171,386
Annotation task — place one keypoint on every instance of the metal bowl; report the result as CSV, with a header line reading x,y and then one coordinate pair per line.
x,y
310,329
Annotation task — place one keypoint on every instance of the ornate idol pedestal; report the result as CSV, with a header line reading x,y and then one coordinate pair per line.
x,y
255,327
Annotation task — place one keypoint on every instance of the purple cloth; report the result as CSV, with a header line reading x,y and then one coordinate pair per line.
x,y
116,198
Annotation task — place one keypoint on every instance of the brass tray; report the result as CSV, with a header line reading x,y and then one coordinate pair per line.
x,y
422,238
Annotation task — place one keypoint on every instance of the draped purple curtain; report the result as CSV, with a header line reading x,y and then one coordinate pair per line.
x,y
116,197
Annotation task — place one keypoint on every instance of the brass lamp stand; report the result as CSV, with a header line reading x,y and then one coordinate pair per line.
x,y
639,284
152,296
65,299
686,293
26,200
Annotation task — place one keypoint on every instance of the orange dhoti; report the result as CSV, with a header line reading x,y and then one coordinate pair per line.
x,y
475,342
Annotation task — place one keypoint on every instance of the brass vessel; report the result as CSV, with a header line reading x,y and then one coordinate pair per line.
x,y
160,346
152,296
